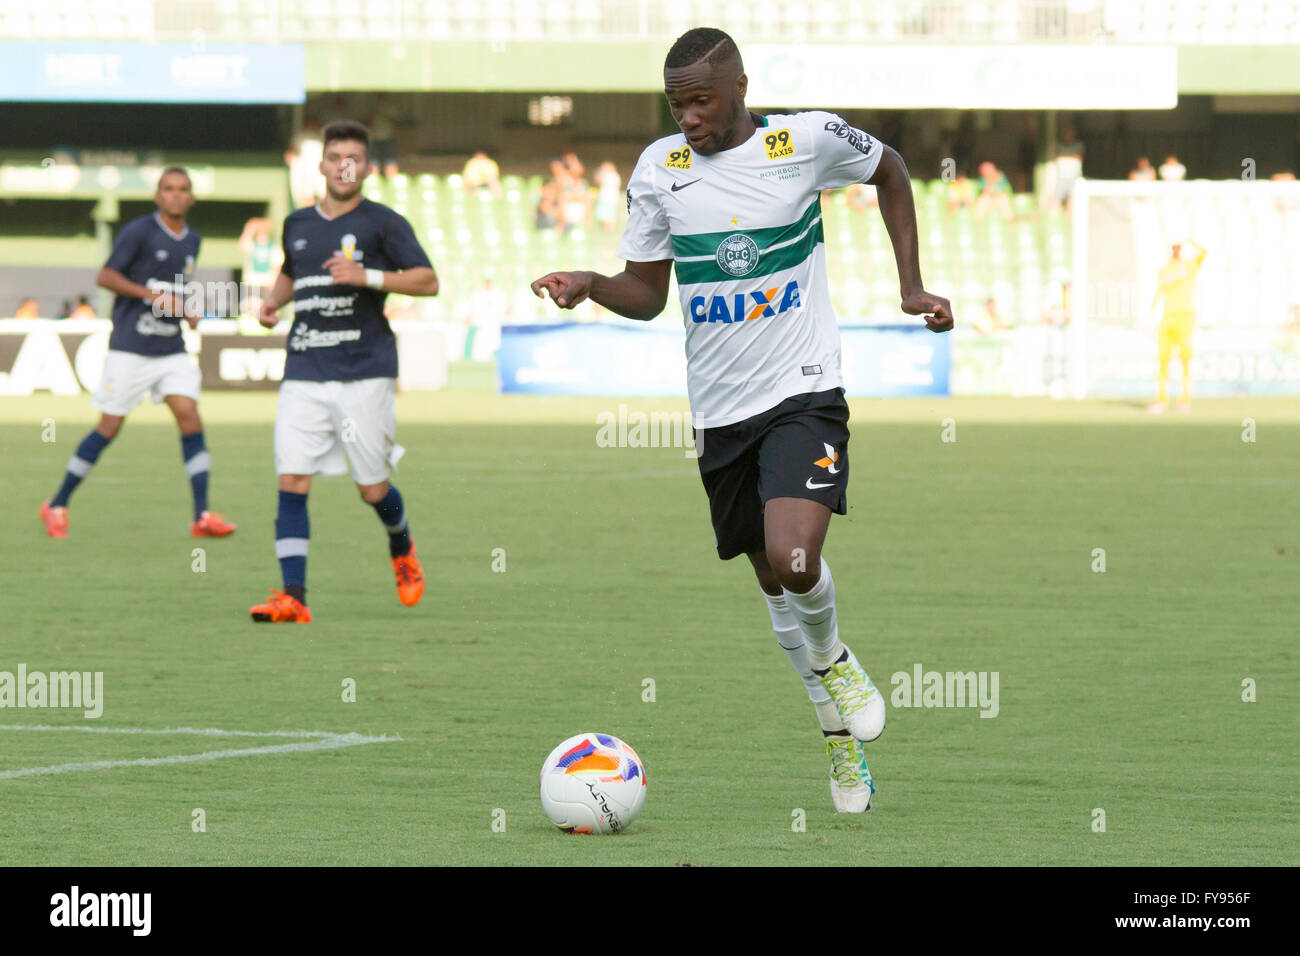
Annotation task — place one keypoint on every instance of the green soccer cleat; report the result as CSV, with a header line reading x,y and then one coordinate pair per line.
x,y
861,706
851,783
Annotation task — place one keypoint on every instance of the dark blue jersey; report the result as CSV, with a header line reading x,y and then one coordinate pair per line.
x,y
149,253
339,332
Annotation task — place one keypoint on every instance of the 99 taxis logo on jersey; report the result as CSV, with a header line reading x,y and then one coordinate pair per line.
x,y
778,145
679,159
744,306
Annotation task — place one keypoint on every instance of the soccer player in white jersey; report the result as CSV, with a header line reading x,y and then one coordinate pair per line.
x,y
733,201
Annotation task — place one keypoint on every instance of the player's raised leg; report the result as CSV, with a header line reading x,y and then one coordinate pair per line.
x,y
795,529
55,511
850,780
292,531
198,465
387,502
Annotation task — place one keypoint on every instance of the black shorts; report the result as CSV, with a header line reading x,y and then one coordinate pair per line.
x,y
799,449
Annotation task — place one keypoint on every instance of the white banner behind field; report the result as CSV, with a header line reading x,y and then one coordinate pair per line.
x,y
1078,77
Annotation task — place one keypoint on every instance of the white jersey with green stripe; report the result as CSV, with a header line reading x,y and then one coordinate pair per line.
x,y
744,227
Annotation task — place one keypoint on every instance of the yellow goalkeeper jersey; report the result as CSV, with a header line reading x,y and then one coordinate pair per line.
x,y
1178,284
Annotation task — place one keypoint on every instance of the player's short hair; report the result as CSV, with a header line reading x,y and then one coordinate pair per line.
x,y
702,43
346,130
175,169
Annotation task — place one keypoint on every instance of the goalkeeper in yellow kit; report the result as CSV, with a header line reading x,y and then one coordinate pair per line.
x,y
1177,285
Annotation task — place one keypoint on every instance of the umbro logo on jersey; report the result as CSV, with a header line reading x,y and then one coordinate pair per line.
x,y
677,186
832,456
743,307
299,245
160,254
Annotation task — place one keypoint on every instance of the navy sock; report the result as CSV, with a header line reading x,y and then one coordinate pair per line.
x,y
393,515
292,529
197,465
79,466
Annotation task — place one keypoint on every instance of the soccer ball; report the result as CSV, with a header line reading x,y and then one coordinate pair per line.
x,y
593,783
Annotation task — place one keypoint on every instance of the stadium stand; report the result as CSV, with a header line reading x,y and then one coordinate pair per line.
x,y
995,21
473,237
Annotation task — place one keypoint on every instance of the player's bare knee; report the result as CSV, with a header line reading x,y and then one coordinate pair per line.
x,y
373,494
796,568
767,579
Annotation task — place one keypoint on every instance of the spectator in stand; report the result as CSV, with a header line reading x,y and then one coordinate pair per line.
x,y
1171,170
575,203
994,192
482,172
83,309
1067,164
27,309
65,311
1143,171
609,186
548,207
572,165
991,320
261,257
961,193
383,135
306,184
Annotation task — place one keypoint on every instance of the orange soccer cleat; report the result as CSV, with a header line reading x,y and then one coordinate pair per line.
x,y
56,520
410,577
280,609
211,525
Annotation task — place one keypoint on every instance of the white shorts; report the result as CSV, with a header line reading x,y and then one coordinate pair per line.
x,y
127,376
317,424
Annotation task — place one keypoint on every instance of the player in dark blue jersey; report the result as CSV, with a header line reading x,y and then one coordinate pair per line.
x,y
151,261
341,258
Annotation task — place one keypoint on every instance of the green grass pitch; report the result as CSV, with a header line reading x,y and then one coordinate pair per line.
x,y
1120,691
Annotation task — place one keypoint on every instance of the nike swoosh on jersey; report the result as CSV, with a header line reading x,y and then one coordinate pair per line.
x,y
677,186
811,487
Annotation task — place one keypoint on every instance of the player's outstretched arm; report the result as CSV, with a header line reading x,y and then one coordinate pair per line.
x,y
894,193
640,291
418,280
279,296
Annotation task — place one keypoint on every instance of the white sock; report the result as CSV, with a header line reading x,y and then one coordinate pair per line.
x,y
790,637
815,613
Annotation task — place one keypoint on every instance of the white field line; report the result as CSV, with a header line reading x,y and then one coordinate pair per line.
x,y
320,740
191,731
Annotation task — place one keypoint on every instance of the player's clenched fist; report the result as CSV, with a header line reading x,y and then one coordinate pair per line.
x,y
936,309
567,289
345,271
268,315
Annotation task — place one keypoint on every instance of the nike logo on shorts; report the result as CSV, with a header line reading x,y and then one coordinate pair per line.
x,y
813,487
677,186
